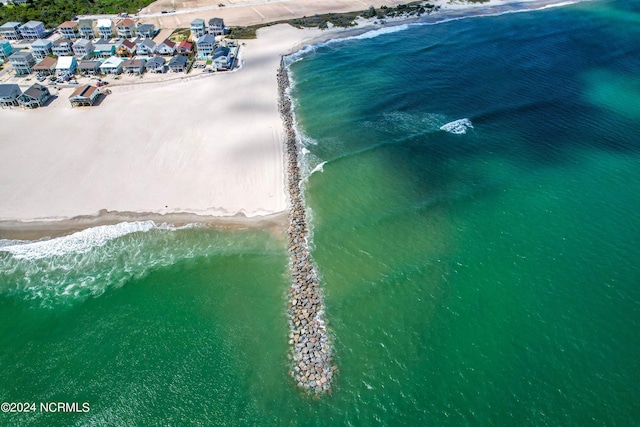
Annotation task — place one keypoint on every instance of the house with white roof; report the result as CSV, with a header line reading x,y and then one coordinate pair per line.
x,y
105,28
112,65
32,30
41,48
66,65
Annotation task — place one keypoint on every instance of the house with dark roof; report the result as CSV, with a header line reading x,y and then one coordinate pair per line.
x,y
89,67
69,29
41,48
126,28
82,48
167,47
85,29
9,94
62,47
156,65
184,48
146,31
133,66
32,30
146,47
178,64
216,26
198,29
84,96
10,31
206,45
34,97
46,67
22,62
222,58
126,48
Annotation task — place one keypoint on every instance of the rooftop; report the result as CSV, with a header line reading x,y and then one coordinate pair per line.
x,y
9,25
68,24
66,62
8,89
103,23
46,64
84,91
125,23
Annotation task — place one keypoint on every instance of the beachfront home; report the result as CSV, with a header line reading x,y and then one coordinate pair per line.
x,y
5,49
9,94
178,64
46,67
127,48
222,58
185,48
10,31
216,26
69,29
112,65
32,30
156,65
22,62
85,29
41,48
66,65
83,48
103,48
62,47
105,29
198,29
34,97
84,96
133,66
146,31
206,45
146,47
126,28
167,47
89,67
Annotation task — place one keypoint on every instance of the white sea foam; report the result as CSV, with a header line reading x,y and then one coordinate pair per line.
x,y
318,168
458,127
80,242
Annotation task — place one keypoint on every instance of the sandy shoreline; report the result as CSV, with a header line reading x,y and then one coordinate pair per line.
x,y
203,149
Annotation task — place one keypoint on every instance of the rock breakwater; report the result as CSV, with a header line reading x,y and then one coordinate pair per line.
x,y
310,346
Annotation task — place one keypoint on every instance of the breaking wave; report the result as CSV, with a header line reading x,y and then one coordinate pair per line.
x,y
457,127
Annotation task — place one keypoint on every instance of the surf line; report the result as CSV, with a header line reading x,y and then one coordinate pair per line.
x,y
311,350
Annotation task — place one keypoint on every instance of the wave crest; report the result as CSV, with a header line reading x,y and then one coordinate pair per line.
x,y
457,127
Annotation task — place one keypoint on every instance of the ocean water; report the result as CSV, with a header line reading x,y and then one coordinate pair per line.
x,y
473,191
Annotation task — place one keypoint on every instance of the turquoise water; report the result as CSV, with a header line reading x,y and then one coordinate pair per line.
x,y
474,204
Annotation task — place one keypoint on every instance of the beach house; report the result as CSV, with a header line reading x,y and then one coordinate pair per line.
x,y
85,29
5,49
66,65
82,48
126,28
133,66
10,31
22,62
216,26
9,94
32,30
46,67
105,28
34,97
178,64
41,48
146,31
62,47
198,29
167,47
103,48
89,67
185,48
156,65
112,65
126,48
69,30
84,96
146,47
206,45
222,58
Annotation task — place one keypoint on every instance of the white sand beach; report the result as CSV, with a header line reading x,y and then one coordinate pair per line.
x,y
210,145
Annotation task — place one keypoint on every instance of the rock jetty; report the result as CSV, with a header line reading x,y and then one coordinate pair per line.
x,y
310,346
